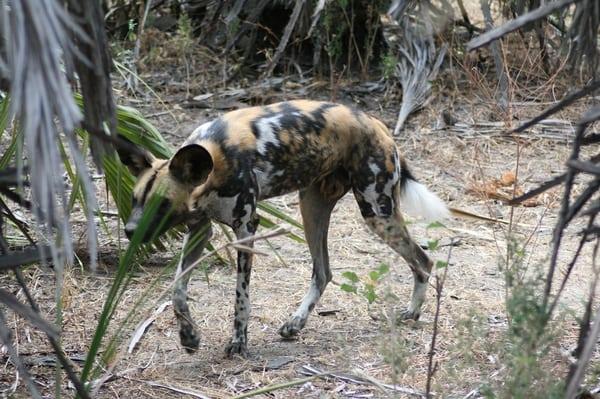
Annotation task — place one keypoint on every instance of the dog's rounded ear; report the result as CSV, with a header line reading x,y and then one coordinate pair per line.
x,y
191,165
133,156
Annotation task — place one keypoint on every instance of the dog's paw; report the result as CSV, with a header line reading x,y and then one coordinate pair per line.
x,y
408,314
189,339
236,348
292,327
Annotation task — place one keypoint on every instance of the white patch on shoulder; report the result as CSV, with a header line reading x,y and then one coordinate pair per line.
x,y
198,133
267,128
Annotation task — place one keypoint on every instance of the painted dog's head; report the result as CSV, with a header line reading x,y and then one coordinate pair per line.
x,y
171,181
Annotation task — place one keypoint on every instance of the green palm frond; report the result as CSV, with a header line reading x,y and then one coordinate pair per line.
x,y
120,282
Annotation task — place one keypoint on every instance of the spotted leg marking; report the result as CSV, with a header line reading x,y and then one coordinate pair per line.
x,y
393,231
239,340
190,253
316,212
377,193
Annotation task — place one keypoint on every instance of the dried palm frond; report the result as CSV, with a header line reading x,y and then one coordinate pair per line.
x,y
408,29
37,49
417,68
38,54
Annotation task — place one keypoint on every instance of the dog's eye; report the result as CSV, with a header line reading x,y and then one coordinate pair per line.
x,y
165,206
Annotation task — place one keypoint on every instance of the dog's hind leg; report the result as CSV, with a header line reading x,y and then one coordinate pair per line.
x,y
381,212
193,245
392,229
316,211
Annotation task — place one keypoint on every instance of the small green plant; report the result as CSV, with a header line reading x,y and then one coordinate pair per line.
x,y
131,30
365,287
388,63
525,347
185,32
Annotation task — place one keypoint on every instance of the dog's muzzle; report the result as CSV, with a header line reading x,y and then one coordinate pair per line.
x,y
129,230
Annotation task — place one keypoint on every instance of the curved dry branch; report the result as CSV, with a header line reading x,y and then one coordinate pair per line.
x,y
517,23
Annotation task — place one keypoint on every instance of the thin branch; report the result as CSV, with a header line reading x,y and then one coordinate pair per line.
x,y
275,387
27,313
286,36
517,23
565,210
58,351
186,391
571,265
585,167
346,377
546,185
565,102
13,259
583,361
497,55
439,286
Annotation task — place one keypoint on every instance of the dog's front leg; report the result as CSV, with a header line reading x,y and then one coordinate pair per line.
x,y
239,340
193,245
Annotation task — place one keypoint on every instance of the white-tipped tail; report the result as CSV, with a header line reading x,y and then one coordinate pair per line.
x,y
416,199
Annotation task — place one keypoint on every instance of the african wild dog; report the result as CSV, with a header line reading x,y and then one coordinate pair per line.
x,y
319,148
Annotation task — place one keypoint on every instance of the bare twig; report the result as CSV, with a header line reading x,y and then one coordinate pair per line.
x,y
141,329
275,387
13,259
311,370
186,391
547,185
517,23
566,211
565,102
27,313
286,37
570,266
138,39
497,54
439,286
585,357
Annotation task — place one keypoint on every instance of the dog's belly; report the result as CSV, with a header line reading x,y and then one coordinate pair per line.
x,y
274,181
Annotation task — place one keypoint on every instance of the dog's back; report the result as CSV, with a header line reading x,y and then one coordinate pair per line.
x,y
291,145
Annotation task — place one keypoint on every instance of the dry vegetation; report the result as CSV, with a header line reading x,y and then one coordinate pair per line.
x,y
457,145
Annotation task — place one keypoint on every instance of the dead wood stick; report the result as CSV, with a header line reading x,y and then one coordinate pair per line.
x,y
141,329
517,23
547,185
309,370
566,101
583,361
274,387
187,391
286,36
471,215
132,80
497,55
